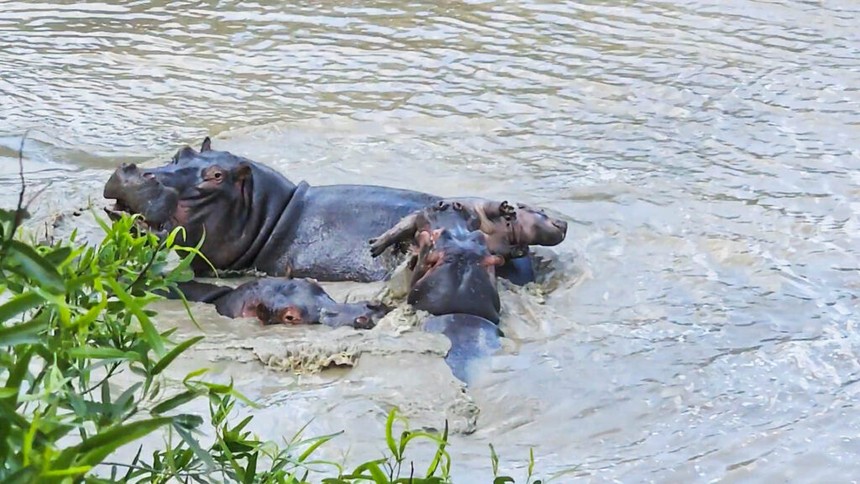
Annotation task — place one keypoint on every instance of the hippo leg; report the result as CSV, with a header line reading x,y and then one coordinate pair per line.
x,y
472,338
405,228
519,271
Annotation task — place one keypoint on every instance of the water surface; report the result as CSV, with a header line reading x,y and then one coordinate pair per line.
x,y
705,153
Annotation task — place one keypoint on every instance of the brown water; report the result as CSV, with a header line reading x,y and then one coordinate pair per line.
x,y
706,154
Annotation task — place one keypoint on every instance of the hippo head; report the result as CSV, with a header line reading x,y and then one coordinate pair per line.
x,y
455,273
208,193
511,230
361,315
534,227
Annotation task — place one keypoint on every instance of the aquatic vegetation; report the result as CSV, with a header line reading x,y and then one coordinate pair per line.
x,y
73,317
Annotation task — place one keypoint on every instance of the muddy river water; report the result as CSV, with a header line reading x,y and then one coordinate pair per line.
x,y
699,322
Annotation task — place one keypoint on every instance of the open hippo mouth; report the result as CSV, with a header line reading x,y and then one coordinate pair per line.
x,y
141,193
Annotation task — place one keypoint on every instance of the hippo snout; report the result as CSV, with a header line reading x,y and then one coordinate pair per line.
x,y
121,177
363,322
561,225
140,192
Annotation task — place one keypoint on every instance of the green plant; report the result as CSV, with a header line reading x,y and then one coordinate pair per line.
x,y
73,317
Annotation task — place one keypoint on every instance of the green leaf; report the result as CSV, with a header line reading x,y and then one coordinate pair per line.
x,y
26,333
251,468
389,433
149,331
188,421
319,441
94,353
71,471
16,376
36,267
174,402
503,480
122,403
494,459
373,467
60,256
440,452
91,315
531,463
176,351
93,450
195,447
19,304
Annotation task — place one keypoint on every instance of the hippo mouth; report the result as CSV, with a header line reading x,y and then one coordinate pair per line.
x,y
141,193
119,209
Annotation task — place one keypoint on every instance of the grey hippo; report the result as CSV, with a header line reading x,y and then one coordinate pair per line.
x,y
454,279
455,273
473,338
254,218
276,300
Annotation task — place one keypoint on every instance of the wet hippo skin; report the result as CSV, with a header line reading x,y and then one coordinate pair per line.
x,y
472,339
254,218
275,300
509,230
455,273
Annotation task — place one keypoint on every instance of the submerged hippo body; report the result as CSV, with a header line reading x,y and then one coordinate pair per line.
x,y
472,339
275,300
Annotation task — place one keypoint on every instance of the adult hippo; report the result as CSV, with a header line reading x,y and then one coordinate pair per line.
x,y
254,218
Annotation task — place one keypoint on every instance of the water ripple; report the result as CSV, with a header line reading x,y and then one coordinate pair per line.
x,y
705,149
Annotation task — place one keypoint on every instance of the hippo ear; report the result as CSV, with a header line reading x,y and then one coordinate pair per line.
x,y
207,145
186,152
242,172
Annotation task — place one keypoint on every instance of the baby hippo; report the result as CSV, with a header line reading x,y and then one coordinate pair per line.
x,y
276,300
455,273
509,230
